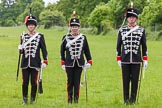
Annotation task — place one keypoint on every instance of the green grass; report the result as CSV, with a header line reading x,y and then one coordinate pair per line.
x,y
104,77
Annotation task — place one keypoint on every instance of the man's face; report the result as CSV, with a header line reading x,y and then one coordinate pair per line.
x,y
132,20
74,29
31,27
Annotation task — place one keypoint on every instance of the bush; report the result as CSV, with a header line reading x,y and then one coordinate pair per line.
x,y
159,36
153,33
47,25
93,31
8,23
106,27
52,18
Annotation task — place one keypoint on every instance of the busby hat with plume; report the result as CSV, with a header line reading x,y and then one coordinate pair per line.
x,y
74,21
30,19
131,12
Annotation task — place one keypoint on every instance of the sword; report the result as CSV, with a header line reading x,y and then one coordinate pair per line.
x,y
18,66
85,81
40,87
143,73
139,81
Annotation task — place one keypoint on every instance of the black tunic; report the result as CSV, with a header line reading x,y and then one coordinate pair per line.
x,y
131,45
75,53
31,52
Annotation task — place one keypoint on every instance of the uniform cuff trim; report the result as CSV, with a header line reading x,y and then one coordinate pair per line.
x,y
90,62
62,62
118,58
145,58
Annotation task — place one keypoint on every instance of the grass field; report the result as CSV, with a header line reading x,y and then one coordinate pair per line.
x,y
104,77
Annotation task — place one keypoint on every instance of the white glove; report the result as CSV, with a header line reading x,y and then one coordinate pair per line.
x,y
63,67
145,63
119,63
20,47
43,65
87,65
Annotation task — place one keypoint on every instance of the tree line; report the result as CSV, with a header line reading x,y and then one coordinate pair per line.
x,y
103,15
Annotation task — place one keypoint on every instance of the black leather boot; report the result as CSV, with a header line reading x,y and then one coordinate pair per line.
x,y
76,99
70,99
33,94
126,102
32,100
132,99
25,100
25,94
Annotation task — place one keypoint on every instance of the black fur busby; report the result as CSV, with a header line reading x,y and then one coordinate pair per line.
x,y
74,22
132,12
30,20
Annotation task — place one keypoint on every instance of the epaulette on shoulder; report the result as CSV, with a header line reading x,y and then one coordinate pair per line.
x,y
83,35
122,28
66,35
141,28
40,34
25,34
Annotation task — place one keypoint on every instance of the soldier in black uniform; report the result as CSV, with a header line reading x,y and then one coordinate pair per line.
x,y
30,46
75,45
131,39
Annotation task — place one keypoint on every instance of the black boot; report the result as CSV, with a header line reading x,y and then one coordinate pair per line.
x,y
25,94
126,99
76,99
33,94
126,102
132,99
70,99
25,100
32,100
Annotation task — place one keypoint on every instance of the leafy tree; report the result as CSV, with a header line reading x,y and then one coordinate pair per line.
x,y
10,11
51,18
86,9
118,9
83,8
152,13
37,6
98,16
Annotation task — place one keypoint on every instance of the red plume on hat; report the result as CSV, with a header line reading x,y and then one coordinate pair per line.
x,y
26,19
74,14
30,20
125,13
131,4
74,21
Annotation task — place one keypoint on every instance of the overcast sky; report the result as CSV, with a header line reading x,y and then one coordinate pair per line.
x,y
49,1
46,1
